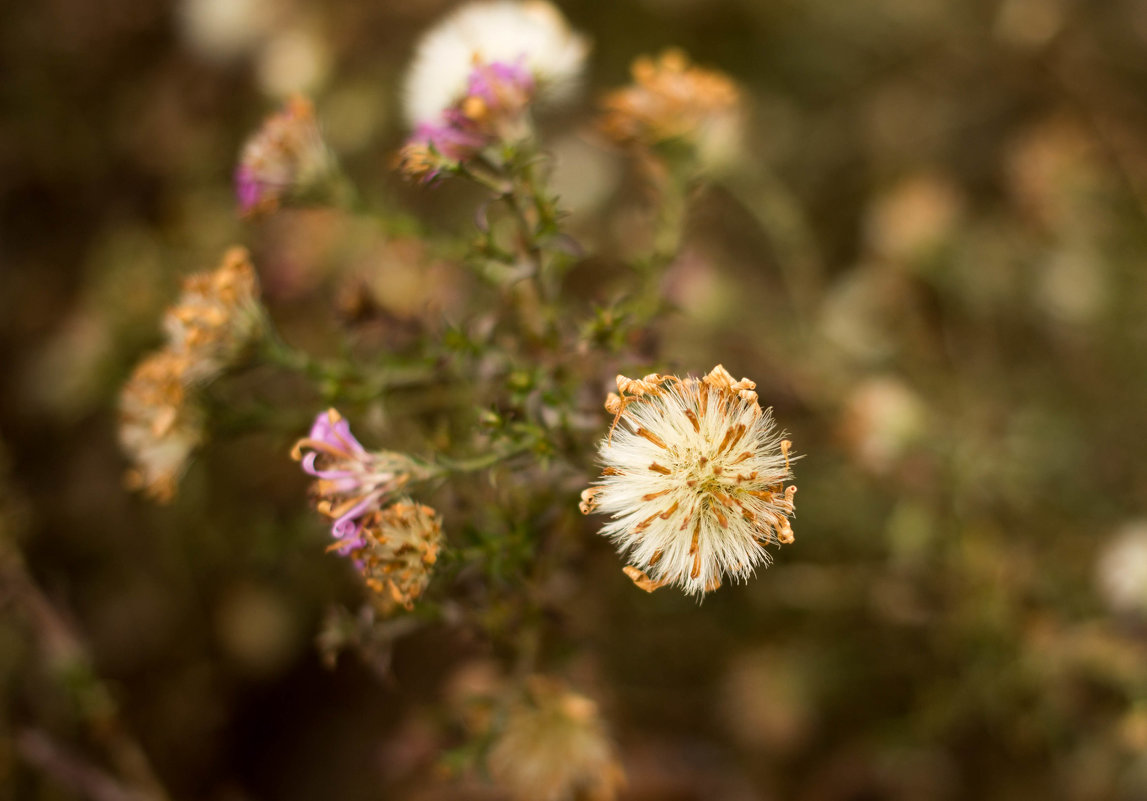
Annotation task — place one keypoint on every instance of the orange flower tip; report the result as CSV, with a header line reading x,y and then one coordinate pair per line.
x,y
642,581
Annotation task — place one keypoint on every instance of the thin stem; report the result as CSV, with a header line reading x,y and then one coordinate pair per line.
x,y
340,380
478,463
97,707
781,217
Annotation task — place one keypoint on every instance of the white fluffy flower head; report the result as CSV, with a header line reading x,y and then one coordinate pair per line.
x,y
486,32
693,480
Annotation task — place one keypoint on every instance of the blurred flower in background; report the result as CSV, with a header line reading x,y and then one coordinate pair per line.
x,y
1121,569
554,747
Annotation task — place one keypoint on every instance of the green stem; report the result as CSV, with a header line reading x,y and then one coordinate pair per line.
x,y
478,463
340,380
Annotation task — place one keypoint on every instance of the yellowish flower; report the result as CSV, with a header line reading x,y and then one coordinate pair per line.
x,y
671,100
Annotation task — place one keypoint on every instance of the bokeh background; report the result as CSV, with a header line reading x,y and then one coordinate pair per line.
x,y
930,256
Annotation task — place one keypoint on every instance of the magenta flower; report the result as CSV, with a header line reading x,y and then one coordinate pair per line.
x,y
504,88
352,482
493,110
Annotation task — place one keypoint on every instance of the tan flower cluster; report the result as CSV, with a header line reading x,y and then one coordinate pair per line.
x,y
159,422
400,544
693,481
554,747
216,316
158,429
672,100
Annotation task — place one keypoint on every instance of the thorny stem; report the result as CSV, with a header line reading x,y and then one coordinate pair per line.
x,y
339,380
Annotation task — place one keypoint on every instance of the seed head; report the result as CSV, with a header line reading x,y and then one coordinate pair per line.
x,y
693,480
399,546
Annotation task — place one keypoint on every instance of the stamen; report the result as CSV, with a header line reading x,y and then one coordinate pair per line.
x,y
649,435
644,524
656,468
655,495
693,419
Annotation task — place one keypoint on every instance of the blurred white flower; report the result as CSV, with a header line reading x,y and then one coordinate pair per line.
x,y
501,31
294,60
221,30
1121,571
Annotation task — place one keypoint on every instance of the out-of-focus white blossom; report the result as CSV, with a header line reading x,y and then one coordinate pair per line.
x,y
221,30
487,32
1121,571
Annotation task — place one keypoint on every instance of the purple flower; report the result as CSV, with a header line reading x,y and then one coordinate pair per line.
x,y
504,88
494,109
352,482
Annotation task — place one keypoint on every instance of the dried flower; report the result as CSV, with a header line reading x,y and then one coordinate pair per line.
x,y
554,748
160,423
158,427
353,483
216,316
670,100
399,546
531,35
694,482
286,158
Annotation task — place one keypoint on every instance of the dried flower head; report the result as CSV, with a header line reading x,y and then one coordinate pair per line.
x,y
694,480
160,423
399,546
352,482
286,158
216,316
531,36
554,748
671,100
158,426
